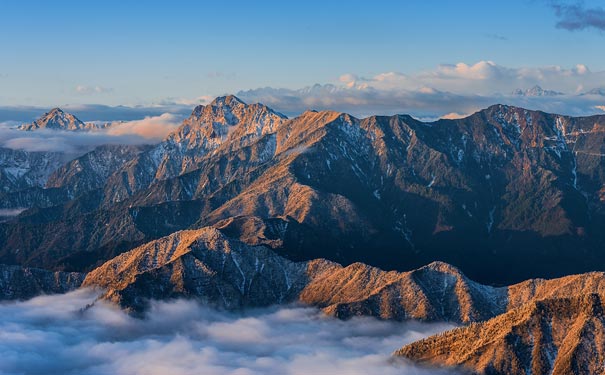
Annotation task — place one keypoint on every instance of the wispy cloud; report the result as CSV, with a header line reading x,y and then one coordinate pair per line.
x,y
152,127
496,36
577,16
51,335
89,90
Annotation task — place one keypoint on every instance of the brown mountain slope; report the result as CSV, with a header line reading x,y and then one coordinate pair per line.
x,y
206,264
553,336
219,270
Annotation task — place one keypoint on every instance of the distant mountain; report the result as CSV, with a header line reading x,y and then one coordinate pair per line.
x,y
596,91
56,119
556,336
536,91
505,194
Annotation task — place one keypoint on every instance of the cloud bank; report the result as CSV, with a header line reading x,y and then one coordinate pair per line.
x,y
449,88
149,130
50,335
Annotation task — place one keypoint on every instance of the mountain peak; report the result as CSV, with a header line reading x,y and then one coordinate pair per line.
x,y
56,119
56,111
536,90
227,100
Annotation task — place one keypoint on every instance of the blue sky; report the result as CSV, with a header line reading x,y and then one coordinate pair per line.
x,y
145,53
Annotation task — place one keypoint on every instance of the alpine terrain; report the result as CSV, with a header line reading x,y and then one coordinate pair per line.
x,y
478,221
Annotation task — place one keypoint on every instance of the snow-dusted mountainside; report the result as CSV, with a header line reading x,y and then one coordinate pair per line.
x,y
91,170
226,123
62,182
23,283
25,173
57,119
559,336
505,194
221,271
24,169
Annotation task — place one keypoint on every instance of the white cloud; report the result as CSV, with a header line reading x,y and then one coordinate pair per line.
x,y
152,127
9,212
200,100
51,335
449,88
454,116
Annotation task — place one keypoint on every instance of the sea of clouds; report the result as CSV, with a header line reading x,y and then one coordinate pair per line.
x,y
56,335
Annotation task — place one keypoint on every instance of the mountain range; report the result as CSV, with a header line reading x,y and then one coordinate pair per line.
x,y
386,216
505,194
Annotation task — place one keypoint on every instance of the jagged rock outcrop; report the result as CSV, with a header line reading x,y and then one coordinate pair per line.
x,y
23,283
505,194
556,336
227,122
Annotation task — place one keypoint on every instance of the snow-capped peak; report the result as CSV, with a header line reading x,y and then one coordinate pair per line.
x,y
536,91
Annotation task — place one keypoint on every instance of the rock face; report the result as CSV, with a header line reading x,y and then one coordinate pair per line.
x,y
23,283
505,194
553,336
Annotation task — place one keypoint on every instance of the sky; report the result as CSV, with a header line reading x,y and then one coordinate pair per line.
x,y
169,56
